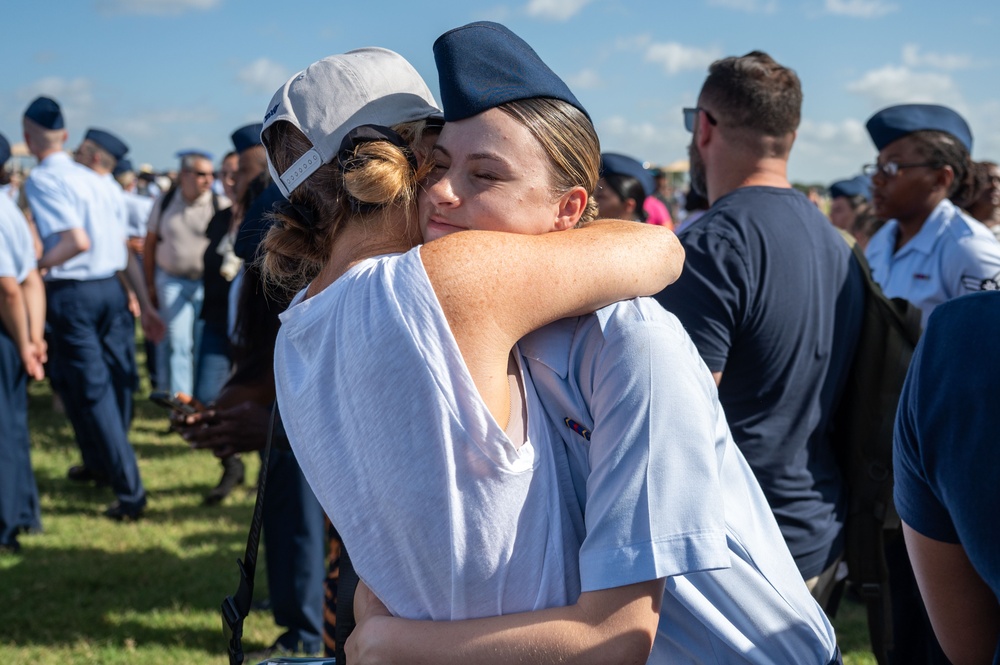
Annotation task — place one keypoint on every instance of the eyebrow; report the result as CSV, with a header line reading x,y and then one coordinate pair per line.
x,y
474,156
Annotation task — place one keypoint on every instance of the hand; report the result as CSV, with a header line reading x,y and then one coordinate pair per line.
x,y
226,431
133,305
32,362
370,627
41,350
153,326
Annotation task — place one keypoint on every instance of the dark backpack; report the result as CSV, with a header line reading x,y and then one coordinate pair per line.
x,y
862,437
169,195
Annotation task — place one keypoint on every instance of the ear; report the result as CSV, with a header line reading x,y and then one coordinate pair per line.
x,y
629,207
705,131
944,177
571,207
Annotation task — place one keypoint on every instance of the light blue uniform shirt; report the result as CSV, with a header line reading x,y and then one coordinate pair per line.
x,y
667,494
950,256
17,251
138,208
64,195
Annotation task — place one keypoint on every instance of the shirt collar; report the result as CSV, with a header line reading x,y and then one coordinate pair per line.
x,y
551,345
933,227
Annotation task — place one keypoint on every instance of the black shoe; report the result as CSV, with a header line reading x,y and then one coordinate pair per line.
x,y
233,474
119,512
83,474
10,549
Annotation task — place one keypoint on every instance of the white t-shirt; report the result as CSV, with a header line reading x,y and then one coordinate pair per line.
x,y
443,517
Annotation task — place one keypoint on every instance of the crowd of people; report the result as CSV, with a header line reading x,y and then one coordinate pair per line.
x,y
540,405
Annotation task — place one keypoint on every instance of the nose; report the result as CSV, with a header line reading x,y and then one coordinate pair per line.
x,y
440,191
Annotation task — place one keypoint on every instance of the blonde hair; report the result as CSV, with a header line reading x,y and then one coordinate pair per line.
x,y
570,141
378,175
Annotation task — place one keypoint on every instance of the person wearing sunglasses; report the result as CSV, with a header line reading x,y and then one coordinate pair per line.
x,y
929,251
772,300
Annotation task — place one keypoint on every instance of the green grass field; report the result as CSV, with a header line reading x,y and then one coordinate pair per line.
x,y
88,590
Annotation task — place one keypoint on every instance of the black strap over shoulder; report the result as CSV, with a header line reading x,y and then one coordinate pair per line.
x,y
235,608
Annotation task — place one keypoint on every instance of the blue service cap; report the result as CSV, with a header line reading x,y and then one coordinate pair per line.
x,y
895,122
612,162
483,65
4,150
46,113
124,165
108,141
858,185
247,136
181,154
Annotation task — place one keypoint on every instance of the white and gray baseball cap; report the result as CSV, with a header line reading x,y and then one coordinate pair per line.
x,y
366,86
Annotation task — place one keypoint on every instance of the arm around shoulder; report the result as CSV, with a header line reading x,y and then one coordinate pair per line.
x,y
518,283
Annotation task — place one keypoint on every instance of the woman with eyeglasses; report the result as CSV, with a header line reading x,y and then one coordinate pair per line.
x,y
929,251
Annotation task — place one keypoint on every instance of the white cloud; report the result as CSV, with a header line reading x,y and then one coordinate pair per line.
x,y
860,8
149,125
750,6
912,57
826,151
155,7
556,10
585,79
899,85
645,141
75,96
676,57
262,76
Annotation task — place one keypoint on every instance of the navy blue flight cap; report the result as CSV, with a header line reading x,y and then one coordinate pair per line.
x,y
247,136
4,150
114,145
46,113
483,65
860,185
612,162
181,154
124,165
895,122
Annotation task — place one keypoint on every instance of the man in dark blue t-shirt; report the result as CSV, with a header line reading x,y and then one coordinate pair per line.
x,y
773,301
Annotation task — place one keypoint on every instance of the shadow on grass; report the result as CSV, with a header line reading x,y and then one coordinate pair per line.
x,y
99,596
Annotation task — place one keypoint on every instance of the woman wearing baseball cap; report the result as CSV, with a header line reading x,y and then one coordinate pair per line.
x,y
409,416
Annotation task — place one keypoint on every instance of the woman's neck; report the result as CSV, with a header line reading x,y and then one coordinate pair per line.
x,y
360,238
909,225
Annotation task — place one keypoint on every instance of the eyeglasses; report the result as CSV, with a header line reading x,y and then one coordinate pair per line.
x,y
691,116
892,169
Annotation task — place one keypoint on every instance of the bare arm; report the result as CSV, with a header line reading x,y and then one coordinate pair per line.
x,y
152,325
149,266
613,625
34,300
71,242
496,287
963,610
14,315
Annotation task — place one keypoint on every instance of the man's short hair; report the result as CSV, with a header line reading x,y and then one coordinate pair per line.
x,y
753,92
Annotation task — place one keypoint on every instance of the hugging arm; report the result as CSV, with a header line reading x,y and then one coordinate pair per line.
x,y
612,625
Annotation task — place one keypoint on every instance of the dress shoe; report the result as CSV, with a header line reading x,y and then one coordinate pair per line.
x,y
83,474
10,549
120,512
233,474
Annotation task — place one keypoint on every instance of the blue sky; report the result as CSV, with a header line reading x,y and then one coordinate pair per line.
x,y
172,74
